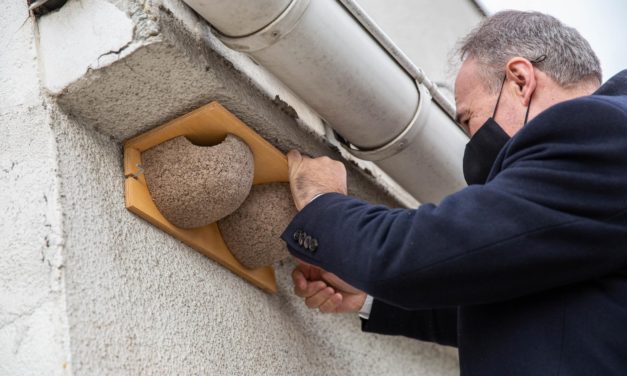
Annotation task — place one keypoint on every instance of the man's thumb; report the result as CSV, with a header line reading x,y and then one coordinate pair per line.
x,y
294,158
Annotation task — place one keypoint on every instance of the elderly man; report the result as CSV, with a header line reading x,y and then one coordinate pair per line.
x,y
524,270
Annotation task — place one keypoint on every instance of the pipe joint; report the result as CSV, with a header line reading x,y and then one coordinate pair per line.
x,y
270,34
404,138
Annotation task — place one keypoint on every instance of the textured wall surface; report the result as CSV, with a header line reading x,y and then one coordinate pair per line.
x,y
33,321
88,287
141,302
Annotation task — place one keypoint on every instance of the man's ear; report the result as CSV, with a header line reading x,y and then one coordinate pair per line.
x,y
520,72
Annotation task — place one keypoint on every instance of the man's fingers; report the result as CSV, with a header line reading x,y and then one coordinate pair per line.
x,y
311,273
300,282
310,176
314,287
317,299
311,288
332,303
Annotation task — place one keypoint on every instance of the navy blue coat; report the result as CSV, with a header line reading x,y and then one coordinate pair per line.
x,y
527,274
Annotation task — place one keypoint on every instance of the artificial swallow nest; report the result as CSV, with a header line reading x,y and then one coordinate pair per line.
x,y
253,231
193,185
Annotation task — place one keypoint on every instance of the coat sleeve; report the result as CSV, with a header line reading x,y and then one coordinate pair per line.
x,y
555,214
431,325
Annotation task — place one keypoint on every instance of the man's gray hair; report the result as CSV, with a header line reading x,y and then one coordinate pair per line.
x,y
569,59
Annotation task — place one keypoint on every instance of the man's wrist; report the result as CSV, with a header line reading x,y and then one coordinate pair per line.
x,y
315,197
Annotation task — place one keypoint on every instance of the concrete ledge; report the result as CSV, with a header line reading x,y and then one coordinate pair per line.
x,y
174,64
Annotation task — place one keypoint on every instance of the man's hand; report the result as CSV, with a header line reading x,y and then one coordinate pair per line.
x,y
325,291
310,177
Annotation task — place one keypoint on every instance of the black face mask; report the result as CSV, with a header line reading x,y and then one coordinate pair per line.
x,y
482,150
484,146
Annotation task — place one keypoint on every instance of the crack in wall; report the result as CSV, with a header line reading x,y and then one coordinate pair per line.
x,y
115,52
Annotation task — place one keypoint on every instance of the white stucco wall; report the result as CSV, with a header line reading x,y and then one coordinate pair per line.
x,y
140,302
33,322
87,287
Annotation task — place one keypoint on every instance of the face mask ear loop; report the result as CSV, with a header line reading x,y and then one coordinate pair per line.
x,y
536,61
528,107
499,97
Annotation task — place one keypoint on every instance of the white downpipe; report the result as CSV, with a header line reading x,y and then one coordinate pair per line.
x,y
318,49
323,55
398,55
238,18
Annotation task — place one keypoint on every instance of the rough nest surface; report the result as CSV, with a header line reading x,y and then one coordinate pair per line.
x,y
194,186
252,233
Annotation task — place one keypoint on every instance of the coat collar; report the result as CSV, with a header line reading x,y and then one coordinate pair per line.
x,y
615,86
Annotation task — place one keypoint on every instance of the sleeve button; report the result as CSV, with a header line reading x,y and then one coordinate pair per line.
x,y
307,242
313,245
301,238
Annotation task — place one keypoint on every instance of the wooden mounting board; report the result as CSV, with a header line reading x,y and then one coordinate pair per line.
x,y
206,125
